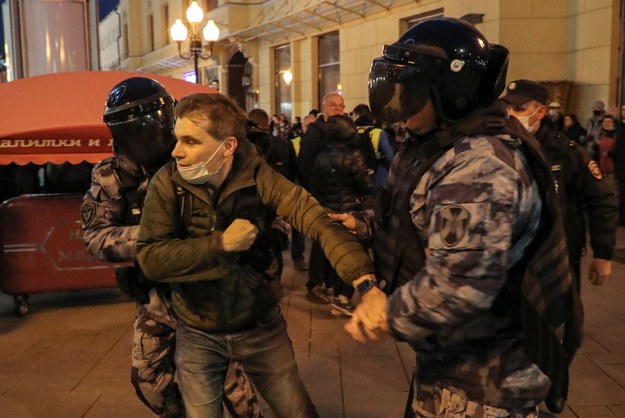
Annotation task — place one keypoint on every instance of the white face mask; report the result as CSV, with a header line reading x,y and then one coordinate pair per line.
x,y
525,121
197,173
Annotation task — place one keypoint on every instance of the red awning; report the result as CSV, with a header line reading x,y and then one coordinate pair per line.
x,y
57,118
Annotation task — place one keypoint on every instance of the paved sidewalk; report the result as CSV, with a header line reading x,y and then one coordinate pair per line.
x,y
70,357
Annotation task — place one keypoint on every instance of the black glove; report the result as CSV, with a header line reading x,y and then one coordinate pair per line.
x,y
129,281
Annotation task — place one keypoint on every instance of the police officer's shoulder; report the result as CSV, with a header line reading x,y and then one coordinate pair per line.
x,y
103,174
559,136
582,161
562,136
561,141
103,168
103,164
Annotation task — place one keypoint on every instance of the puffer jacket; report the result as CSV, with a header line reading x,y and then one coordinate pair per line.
x,y
340,179
211,288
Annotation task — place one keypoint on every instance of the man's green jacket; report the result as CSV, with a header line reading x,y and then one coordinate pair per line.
x,y
211,289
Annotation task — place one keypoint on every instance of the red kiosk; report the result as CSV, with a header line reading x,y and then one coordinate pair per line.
x,y
56,118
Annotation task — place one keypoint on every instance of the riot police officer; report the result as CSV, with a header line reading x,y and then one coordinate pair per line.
x,y
467,207
139,113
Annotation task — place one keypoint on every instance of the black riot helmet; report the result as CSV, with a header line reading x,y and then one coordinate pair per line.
x,y
442,58
139,112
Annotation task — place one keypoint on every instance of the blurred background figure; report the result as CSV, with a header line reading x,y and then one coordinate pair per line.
x,y
573,130
298,240
375,144
619,165
593,127
605,150
554,120
340,181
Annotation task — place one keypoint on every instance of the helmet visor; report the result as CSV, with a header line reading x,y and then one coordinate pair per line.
x,y
147,140
398,91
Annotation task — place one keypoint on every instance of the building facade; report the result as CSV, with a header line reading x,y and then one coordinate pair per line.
x,y
283,55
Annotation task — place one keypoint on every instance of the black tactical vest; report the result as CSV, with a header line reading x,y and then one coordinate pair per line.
x,y
133,190
548,304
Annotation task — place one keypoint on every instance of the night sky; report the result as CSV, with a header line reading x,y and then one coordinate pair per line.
x,y
105,7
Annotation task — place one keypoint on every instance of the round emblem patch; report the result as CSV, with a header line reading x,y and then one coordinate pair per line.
x,y
87,212
512,86
454,221
594,169
456,65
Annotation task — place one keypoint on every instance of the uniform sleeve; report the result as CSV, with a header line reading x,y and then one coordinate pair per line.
x,y
162,252
343,249
465,206
103,221
599,202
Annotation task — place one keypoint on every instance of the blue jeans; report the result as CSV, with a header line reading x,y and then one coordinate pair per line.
x,y
267,357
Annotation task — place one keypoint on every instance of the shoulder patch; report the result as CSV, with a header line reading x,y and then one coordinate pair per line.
x,y
594,170
87,212
454,221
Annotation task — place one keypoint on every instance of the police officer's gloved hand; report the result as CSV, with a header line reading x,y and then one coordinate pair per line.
x,y
129,281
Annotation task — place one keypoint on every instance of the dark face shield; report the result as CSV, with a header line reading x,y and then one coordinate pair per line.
x,y
398,91
149,139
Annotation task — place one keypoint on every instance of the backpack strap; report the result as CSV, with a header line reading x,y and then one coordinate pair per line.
x,y
183,199
374,134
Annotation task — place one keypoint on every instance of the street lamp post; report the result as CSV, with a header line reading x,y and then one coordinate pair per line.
x,y
179,34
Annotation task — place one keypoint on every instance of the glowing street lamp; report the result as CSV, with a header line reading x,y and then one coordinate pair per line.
x,y
287,76
210,33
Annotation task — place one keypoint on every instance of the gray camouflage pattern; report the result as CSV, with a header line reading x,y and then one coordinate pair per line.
x,y
476,209
433,402
153,368
105,234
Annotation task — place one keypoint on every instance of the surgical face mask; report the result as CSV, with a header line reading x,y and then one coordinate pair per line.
x,y
197,173
553,113
525,121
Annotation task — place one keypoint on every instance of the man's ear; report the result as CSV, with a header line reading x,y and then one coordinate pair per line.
x,y
231,145
541,112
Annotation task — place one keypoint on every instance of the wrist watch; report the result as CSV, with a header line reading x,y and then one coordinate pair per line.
x,y
366,285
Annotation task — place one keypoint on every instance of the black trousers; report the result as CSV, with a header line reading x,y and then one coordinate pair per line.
x,y
320,272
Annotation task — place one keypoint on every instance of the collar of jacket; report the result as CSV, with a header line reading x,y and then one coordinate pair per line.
x,y
242,174
364,121
544,134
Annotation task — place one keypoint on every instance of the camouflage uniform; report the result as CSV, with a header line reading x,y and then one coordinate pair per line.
x,y
433,401
475,210
110,236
